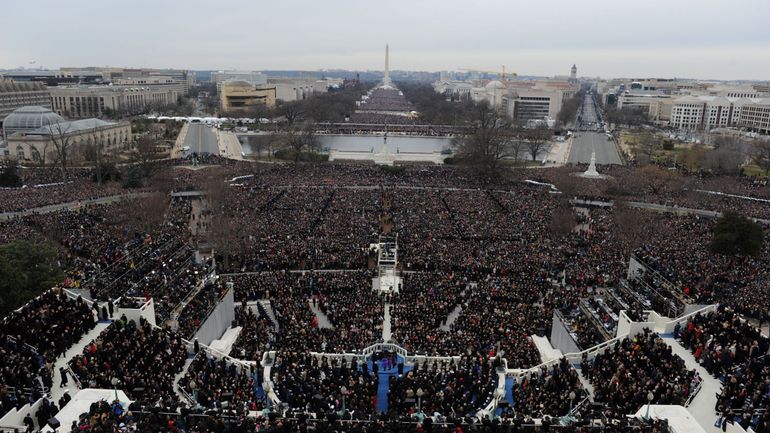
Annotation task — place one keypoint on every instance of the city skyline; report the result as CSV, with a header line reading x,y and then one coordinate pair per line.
x,y
603,38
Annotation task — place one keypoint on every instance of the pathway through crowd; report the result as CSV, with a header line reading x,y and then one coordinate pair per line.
x,y
383,380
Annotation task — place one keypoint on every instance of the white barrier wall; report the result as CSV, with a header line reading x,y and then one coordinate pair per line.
x,y
219,320
146,311
634,267
561,338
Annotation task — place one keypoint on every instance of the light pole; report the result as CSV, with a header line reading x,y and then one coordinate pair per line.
x,y
420,393
650,397
344,392
115,383
194,388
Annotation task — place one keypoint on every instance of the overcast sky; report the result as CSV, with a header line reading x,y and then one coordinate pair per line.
x,y
720,39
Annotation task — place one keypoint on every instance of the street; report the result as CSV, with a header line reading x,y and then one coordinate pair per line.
x,y
588,141
201,139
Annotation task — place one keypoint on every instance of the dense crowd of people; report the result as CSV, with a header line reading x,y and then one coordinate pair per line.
x,y
221,384
626,374
32,339
143,359
736,352
452,389
306,383
550,392
489,261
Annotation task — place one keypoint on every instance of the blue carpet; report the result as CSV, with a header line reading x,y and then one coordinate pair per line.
x,y
382,392
258,391
383,381
508,396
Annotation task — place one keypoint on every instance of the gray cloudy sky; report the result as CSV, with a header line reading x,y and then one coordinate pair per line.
x,y
723,39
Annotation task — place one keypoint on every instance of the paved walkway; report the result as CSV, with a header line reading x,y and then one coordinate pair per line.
x,y
702,406
453,315
558,153
229,145
72,205
323,320
176,151
57,391
387,334
179,376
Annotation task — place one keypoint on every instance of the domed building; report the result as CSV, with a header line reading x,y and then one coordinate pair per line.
x,y
493,92
31,134
29,118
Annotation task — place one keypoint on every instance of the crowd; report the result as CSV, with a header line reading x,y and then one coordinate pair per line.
x,y
452,389
322,385
627,372
490,268
144,360
258,334
220,384
422,308
385,99
50,323
31,340
74,190
550,392
737,353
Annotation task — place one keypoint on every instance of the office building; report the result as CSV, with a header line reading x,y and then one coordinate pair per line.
x,y
16,94
243,96
755,115
80,102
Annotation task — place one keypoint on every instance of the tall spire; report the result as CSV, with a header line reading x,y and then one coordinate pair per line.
x,y
386,75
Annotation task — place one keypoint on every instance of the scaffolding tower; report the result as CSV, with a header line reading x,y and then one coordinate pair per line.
x,y
388,279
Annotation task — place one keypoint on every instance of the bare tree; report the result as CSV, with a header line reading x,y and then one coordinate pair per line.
x,y
536,141
646,147
144,154
630,227
292,111
727,158
46,146
62,142
517,146
652,179
488,140
693,158
312,144
293,140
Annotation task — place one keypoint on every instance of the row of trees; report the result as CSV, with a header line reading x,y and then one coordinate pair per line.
x,y
493,139
569,108
728,155
332,106
627,116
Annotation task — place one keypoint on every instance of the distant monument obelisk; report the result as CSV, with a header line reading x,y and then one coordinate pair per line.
x,y
386,73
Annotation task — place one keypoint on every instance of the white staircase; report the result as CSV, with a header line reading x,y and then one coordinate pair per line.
x,y
702,406
387,333
268,308
57,391
586,384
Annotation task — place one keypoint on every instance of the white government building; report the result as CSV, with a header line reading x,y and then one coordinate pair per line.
x,y
524,100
